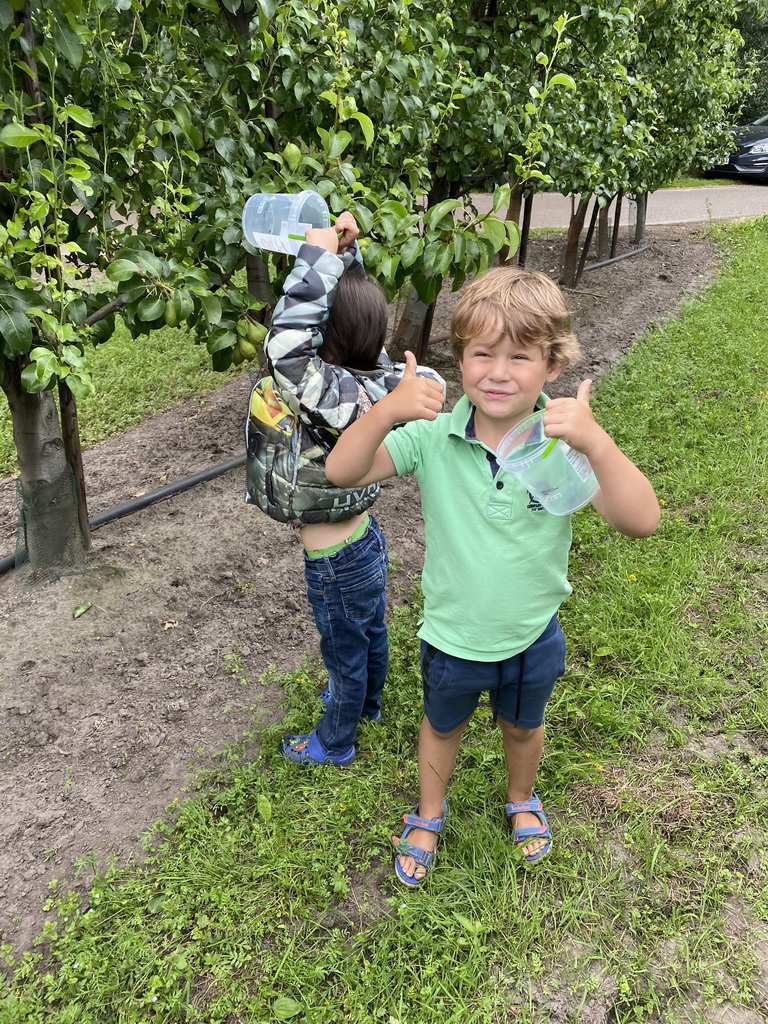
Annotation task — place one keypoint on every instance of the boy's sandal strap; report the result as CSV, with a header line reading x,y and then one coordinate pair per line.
x,y
406,849
534,806
428,824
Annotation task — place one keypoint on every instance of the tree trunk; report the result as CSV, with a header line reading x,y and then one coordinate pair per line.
x,y
525,231
506,256
48,524
409,332
73,453
257,273
568,275
603,245
616,223
641,201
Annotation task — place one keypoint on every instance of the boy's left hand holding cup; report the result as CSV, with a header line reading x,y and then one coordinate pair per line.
x,y
336,239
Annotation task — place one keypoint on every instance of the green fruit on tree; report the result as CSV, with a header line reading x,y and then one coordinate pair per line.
x,y
292,156
237,355
248,350
242,328
169,315
256,333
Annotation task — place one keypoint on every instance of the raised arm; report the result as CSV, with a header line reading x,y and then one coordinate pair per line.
x,y
626,499
359,456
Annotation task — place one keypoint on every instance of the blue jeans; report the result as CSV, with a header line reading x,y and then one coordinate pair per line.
x,y
347,593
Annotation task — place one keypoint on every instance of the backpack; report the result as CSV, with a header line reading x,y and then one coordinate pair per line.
x,y
285,465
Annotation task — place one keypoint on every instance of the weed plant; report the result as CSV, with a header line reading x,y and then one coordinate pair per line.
x,y
268,895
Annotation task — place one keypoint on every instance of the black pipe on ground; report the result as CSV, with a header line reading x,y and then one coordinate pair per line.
x,y
615,259
136,504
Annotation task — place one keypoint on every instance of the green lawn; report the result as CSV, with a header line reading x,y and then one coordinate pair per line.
x,y
268,895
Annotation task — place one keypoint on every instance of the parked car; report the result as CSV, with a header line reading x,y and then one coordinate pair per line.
x,y
750,158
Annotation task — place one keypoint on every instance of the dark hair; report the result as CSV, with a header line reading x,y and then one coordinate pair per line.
x,y
357,324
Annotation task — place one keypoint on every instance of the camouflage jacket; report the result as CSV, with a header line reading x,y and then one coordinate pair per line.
x,y
296,415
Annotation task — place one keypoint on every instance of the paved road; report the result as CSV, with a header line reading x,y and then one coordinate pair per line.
x,y
667,206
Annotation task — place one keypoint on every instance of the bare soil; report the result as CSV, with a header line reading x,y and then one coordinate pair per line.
x,y
103,715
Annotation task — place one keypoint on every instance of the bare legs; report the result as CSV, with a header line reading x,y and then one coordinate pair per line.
x,y
437,757
522,752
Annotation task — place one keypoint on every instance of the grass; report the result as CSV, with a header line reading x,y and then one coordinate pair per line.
x,y
134,378
694,182
267,895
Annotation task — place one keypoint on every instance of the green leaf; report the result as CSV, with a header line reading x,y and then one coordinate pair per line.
x,y
78,114
81,609
15,328
220,339
562,79
6,15
151,308
494,231
501,197
121,270
18,135
438,256
339,143
211,308
411,250
466,923
183,304
436,213
367,125
156,266
285,1008
155,904
40,371
264,807
68,43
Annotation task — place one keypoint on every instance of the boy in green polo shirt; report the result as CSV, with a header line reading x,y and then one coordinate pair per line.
x,y
495,561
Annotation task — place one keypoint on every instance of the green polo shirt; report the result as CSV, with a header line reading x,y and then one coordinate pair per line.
x,y
495,562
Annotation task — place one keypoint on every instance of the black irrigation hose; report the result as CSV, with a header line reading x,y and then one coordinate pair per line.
x,y
615,259
135,504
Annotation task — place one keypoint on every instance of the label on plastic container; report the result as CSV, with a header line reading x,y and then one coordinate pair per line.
x,y
579,462
274,243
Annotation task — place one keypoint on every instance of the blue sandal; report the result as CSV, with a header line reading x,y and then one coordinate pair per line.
x,y
306,749
522,836
405,849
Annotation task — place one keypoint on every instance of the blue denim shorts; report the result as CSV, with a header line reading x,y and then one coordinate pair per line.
x,y
518,688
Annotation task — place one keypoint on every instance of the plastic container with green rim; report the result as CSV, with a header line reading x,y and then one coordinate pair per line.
x,y
556,475
278,221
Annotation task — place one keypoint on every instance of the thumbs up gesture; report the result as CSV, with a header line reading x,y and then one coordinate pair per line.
x,y
414,398
572,420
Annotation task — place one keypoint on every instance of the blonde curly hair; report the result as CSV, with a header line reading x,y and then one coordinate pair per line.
x,y
525,306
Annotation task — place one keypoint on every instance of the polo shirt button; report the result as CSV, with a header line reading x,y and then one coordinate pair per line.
x,y
499,485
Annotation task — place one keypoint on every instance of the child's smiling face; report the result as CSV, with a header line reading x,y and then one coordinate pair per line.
x,y
503,380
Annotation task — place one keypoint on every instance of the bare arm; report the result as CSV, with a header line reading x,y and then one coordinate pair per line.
x,y
626,499
359,456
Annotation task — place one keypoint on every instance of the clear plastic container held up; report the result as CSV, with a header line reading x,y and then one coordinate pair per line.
x,y
278,221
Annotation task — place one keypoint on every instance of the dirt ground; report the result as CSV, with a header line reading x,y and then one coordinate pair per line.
x,y
102,715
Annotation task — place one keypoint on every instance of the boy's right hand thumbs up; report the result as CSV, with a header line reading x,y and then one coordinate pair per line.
x,y
415,398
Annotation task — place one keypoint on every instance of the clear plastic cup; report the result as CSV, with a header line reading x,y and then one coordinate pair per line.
x,y
556,475
278,221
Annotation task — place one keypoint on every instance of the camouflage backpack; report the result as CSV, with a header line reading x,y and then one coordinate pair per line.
x,y
285,465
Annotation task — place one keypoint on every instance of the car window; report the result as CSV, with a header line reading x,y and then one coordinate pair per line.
x,y
761,120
